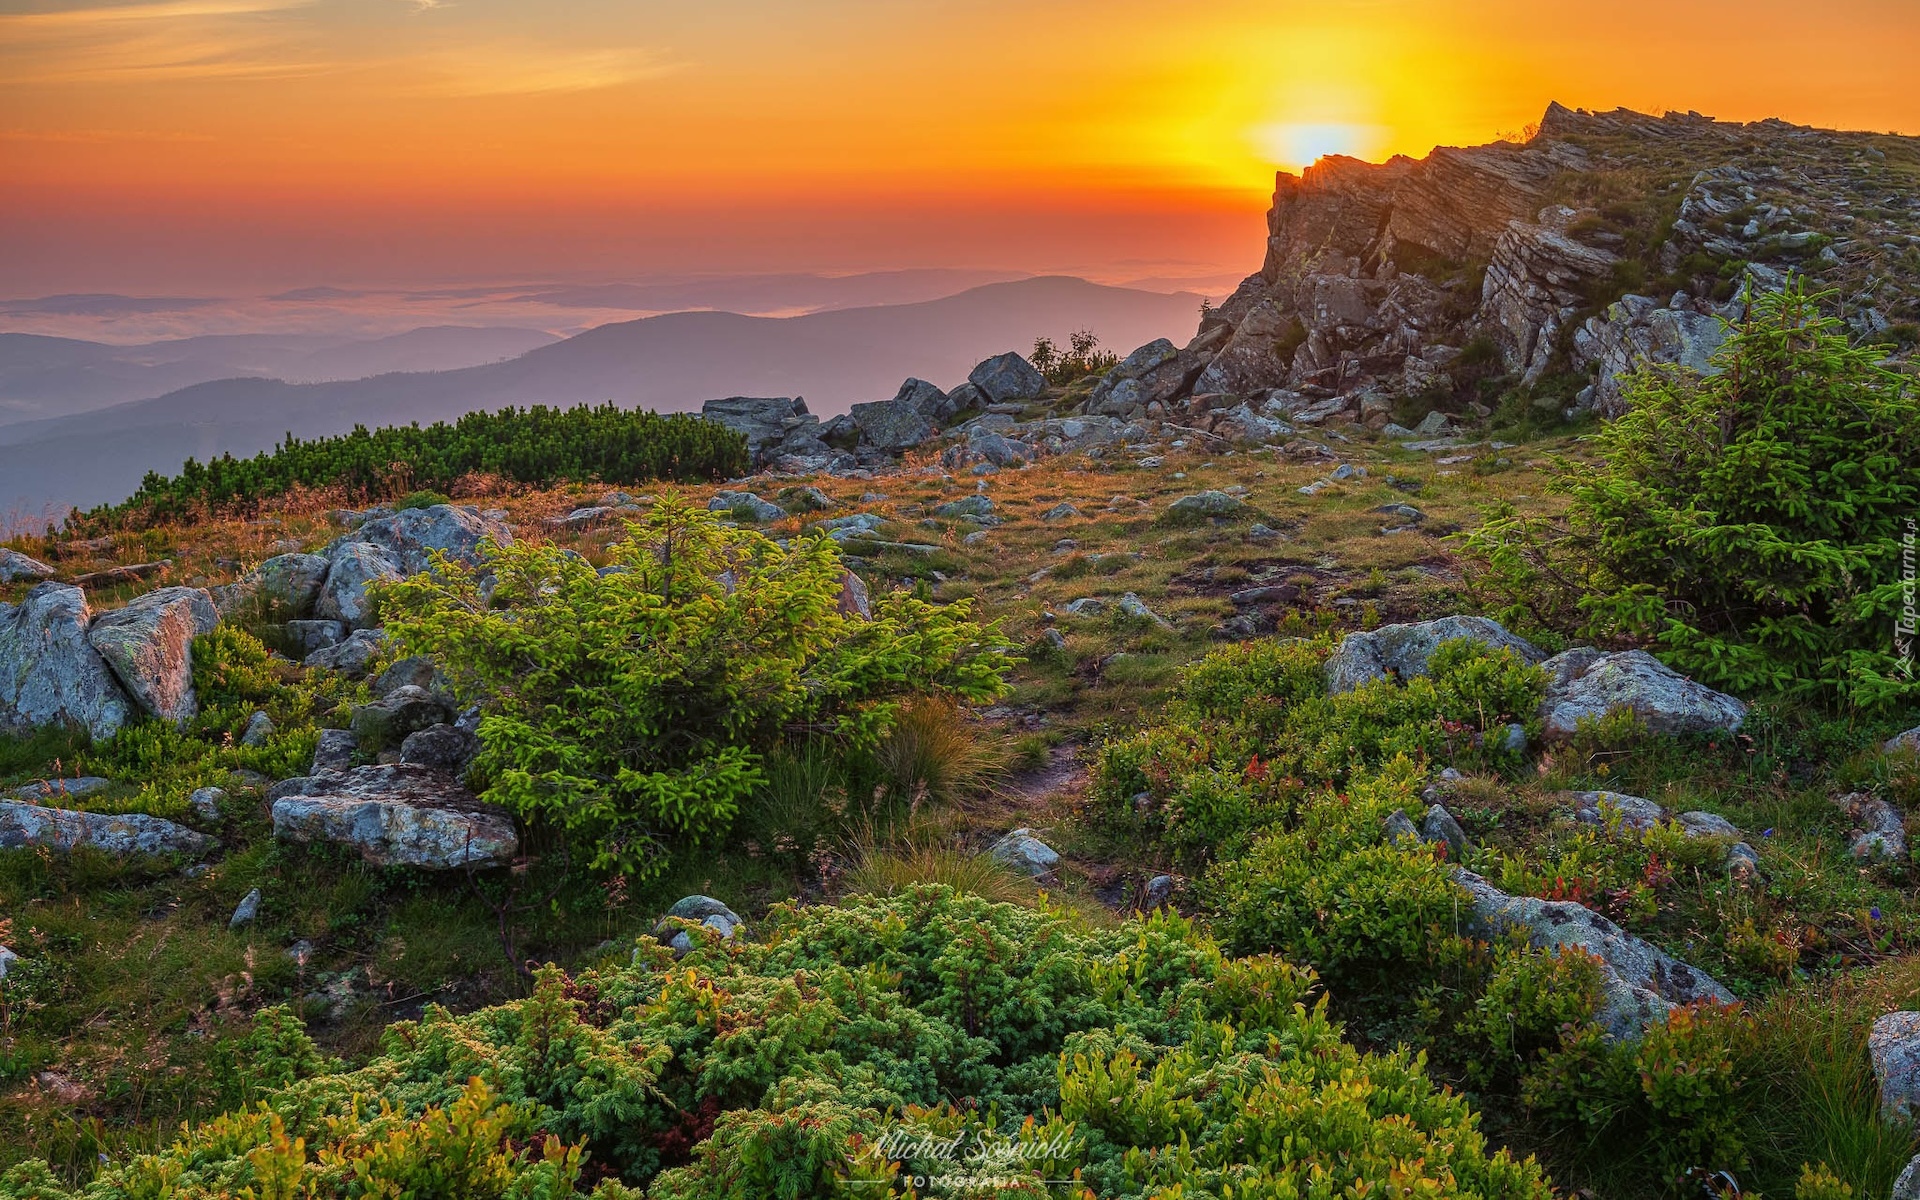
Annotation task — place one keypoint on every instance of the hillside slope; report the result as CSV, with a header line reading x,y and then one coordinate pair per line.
x,y
669,363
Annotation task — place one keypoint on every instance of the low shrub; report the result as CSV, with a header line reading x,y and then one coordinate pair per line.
x,y
850,1045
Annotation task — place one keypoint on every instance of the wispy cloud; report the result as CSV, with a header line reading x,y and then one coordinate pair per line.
x,y
160,39
503,70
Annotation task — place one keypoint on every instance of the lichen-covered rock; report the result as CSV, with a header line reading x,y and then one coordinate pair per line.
x,y
1894,1046
765,421
413,535
259,730
1008,377
745,506
971,508
334,750
1908,742
399,814
149,646
1642,982
446,747
50,674
306,636
1440,826
205,803
1402,651
702,909
7,959
1880,832
1025,852
927,400
891,426
245,911
124,834
1633,812
1584,682
42,790
353,657
15,566
388,720
352,567
282,588
1203,506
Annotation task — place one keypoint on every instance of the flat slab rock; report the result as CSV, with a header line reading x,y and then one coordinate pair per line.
x,y
396,814
23,826
1643,982
1584,682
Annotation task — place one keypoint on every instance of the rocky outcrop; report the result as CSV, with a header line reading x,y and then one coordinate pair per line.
x,y
1642,982
149,646
50,674
1007,378
25,826
1637,331
1402,651
765,421
1538,280
401,814
1587,683
15,567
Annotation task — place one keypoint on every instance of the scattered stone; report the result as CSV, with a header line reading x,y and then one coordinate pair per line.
x,y
1262,532
1159,892
1402,512
1642,982
259,729
1439,826
1634,812
1086,606
246,910
50,674
972,508
975,538
301,952
283,588
1908,741
1133,606
807,498
1401,651
1584,682
7,959
28,825
334,751
1907,1187
43,790
1025,852
1880,831
855,601
205,803
398,814
1060,512
1443,785
1400,829
1701,824
15,566
1203,506
704,910
745,506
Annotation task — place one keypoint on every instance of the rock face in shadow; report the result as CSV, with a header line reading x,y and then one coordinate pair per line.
x,y
50,674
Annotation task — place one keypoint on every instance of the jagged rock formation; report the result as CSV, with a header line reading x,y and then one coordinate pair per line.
x,y
1605,241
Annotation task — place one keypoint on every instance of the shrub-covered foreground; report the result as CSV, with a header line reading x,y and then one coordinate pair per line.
x,y
538,446
850,1052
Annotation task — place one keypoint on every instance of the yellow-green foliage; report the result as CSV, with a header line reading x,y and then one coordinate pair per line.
x,y
634,707
844,1045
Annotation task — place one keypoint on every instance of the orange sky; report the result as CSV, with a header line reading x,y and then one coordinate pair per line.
x,y
188,145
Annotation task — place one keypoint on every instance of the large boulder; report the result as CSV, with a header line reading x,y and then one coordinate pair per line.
x,y
1025,853
1402,651
890,425
352,567
400,814
765,421
50,674
704,910
745,506
1584,682
1008,377
287,586
412,535
15,566
149,646
27,826
927,400
1642,982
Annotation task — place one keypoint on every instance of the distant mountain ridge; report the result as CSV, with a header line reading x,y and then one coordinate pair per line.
x,y
669,363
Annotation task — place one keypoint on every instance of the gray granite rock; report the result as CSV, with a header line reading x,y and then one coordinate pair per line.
x,y
1026,853
1402,651
30,825
399,814
1585,682
50,673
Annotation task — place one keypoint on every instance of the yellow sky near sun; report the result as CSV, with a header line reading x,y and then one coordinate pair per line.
x,y
142,109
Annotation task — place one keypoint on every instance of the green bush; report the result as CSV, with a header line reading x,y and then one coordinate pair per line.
x,y
1747,524
537,445
1532,995
634,708
837,1048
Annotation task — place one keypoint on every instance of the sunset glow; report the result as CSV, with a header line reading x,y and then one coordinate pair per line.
x,y
299,141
